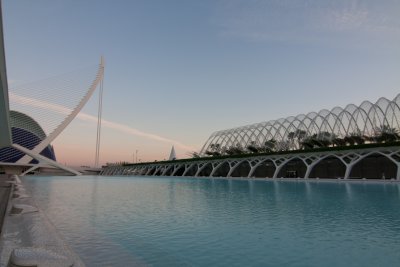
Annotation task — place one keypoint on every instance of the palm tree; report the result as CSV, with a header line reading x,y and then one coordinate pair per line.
x,y
321,139
301,134
235,150
269,145
308,142
386,134
296,138
348,140
215,150
358,138
194,154
325,138
252,147
291,135
338,141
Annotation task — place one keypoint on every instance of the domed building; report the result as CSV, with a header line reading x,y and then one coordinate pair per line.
x,y
28,133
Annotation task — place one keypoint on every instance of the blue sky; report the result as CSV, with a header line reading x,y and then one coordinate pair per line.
x,y
183,69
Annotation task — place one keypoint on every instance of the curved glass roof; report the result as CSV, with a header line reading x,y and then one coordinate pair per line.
x,y
23,121
362,120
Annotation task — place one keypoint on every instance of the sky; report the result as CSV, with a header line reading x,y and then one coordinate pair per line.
x,y
178,70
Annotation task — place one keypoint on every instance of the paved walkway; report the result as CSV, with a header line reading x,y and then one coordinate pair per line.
x,y
5,189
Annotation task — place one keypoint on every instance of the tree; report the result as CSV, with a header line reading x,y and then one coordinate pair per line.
x,y
301,134
194,154
235,150
357,138
386,134
269,146
307,143
214,150
295,138
321,139
338,141
252,147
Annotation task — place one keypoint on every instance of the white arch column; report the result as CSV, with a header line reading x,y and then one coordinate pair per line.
x,y
188,167
259,162
396,161
200,166
158,168
311,161
230,163
150,168
232,166
254,167
354,159
166,169
279,163
176,168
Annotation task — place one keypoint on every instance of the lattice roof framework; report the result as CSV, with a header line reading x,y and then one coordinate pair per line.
x,y
362,120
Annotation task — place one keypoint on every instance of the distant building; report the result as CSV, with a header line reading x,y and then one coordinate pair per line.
x,y
172,155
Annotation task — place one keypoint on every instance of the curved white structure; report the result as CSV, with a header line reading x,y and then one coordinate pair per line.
x,y
374,127
70,116
270,166
363,120
37,102
66,113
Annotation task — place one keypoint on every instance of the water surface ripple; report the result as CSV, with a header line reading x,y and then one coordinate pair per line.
x,y
164,221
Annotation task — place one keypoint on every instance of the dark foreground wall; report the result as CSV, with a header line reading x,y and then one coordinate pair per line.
x,y
5,189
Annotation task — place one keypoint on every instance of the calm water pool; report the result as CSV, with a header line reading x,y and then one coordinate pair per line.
x,y
164,221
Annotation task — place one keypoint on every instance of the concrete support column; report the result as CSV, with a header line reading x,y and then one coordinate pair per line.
x,y
253,167
233,168
311,167
398,171
349,167
252,170
201,167
148,171
278,168
216,167
308,171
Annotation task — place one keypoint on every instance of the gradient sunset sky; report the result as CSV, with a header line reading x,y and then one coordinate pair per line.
x,y
176,71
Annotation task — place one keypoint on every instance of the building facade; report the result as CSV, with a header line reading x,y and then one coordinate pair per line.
x,y
28,133
355,142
